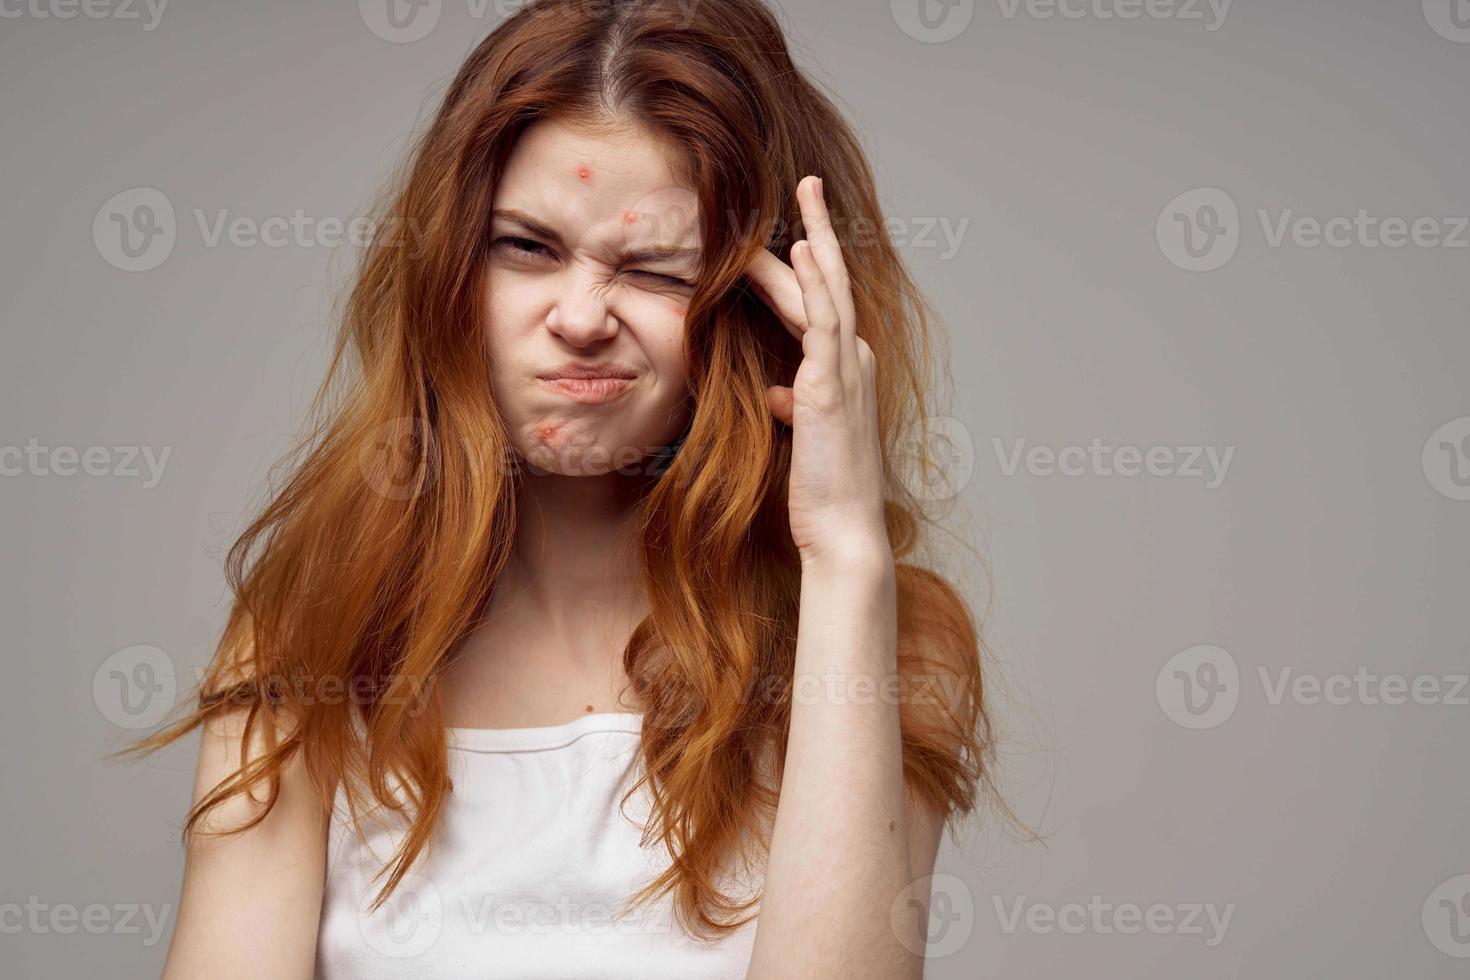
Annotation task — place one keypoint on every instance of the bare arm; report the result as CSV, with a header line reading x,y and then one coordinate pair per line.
x,y
848,845
845,844
251,903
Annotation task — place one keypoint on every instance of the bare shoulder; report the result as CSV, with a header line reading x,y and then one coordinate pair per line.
x,y
251,902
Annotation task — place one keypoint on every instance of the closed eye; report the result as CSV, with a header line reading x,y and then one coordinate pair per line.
x,y
673,281
530,248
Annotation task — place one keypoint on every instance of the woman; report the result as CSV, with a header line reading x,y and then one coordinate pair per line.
x,y
578,642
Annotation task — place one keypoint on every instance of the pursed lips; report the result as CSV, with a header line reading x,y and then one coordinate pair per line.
x,y
589,390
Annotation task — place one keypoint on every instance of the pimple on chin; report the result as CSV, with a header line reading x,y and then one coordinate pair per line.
x,y
548,432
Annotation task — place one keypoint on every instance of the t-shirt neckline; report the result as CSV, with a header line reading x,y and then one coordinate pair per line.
x,y
543,737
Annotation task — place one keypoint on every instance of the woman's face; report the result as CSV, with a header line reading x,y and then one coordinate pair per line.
x,y
595,249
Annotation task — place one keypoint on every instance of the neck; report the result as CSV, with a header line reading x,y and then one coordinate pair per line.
x,y
574,563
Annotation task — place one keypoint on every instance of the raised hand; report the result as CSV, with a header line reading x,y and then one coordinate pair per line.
x,y
836,485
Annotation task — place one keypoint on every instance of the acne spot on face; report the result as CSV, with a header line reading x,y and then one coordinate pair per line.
x,y
630,217
584,173
681,310
548,432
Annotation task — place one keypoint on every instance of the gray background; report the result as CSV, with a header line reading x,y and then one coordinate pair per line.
x,y
1331,546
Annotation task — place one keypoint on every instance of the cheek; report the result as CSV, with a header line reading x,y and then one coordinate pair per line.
x,y
669,364
658,322
505,304
509,325
668,354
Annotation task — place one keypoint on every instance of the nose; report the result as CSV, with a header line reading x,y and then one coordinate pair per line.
x,y
580,314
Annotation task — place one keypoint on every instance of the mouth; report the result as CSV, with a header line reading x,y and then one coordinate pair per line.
x,y
589,391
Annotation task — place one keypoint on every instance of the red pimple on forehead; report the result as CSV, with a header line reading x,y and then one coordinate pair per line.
x,y
584,173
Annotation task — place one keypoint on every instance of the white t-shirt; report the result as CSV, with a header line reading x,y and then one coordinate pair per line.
x,y
531,862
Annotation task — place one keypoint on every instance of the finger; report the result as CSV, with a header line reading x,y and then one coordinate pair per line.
x,y
828,251
823,332
775,283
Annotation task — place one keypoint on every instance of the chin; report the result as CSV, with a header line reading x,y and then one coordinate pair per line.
x,y
551,451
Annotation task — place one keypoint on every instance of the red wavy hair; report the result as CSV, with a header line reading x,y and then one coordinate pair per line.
x,y
335,581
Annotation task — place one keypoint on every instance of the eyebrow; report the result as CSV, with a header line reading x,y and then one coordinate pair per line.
x,y
652,253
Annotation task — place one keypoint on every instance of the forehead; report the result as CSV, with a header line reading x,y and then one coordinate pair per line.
x,y
600,190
